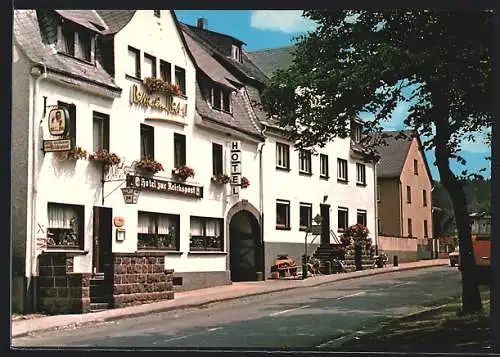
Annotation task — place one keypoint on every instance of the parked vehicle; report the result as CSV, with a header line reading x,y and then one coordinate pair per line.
x,y
454,257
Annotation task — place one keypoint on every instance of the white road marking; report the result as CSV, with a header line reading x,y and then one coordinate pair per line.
x,y
346,296
331,341
289,310
395,286
177,338
214,328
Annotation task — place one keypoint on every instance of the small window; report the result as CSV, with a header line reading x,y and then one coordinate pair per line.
x,y
305,216
65,226
378,193
180,79
361,217
415,167
100,131
157,231
426,229
206,234
226,101
410,233
305,161
216,98
165,71
408,194
157,13
356,131
71,108
67,44
342,170
343,219
179,150
282,214
217,159
236,53
221,99
424,197
149,66
134,62
323,166
360,174
147,141
84,50
282,156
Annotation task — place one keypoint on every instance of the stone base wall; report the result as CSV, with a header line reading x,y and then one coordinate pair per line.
x,y
403,257
140,278
202,279
59,289
366,258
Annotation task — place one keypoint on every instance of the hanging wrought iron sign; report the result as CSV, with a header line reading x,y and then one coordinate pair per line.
x,y
58,121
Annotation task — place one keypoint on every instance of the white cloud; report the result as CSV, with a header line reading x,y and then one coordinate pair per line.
x,y
288,21
478,146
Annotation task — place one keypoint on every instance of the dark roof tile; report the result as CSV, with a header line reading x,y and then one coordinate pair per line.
x,y
270,60
86,18
393,152
116,19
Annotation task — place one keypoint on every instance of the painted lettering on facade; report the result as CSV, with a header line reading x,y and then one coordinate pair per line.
x,y
235,167
152,184
155,102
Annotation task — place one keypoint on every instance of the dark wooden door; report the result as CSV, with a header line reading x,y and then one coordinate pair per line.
x,y
102,243
244,247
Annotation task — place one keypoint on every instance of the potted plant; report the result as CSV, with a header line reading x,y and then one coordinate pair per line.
x,y
244,182
159,86
221,179
105,157
77,153
357,233
149,165
183,172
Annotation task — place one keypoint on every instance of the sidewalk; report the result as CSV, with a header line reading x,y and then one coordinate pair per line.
x,y
196,298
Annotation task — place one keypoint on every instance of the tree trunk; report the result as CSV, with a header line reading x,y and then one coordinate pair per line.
x,y
471,298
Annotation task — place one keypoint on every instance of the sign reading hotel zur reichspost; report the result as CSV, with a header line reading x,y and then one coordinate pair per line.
x,y
153,184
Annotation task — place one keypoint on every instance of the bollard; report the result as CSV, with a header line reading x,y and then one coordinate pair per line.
x,y
395,260
304,271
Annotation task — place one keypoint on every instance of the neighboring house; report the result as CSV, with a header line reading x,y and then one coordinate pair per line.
x,y
404,189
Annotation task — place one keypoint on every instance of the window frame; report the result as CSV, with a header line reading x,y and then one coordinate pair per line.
x,y
356,131
179,144
81,35
217,159
137,69
223,101
408,194
205,220
157,215
287,225
66,30
426,229
103,122
305,157
362,213
182,82
342,164
168,66
324,166
80,212
360,168
147,150
378,193
424,198
236,53
415,166
410,228
346,211
307,206
285,151
147,56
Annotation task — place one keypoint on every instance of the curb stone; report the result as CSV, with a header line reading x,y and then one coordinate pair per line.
x,y
341,277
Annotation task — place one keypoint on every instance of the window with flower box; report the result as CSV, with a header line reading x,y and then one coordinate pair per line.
x,y
180,79
65,226
149,66
361,217
157,231
100,131
179,150
282,156
217,166
206,234
165,71
343,219
134,62
147,141
282,214
305,162
305,216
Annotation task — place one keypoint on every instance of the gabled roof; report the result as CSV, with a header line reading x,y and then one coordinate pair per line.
x,y
86,18
270,60
35,32
116,19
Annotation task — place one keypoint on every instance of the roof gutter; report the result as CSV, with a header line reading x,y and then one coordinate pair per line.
x,y
83,79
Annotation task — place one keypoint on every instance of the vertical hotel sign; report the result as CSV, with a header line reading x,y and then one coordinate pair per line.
x,y
235,167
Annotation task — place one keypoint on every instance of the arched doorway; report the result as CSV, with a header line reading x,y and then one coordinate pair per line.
x,y
245,255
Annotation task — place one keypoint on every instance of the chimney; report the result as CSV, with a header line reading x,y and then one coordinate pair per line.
x,y
202,23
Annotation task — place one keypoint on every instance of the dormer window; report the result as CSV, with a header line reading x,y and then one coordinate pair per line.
x,y
356,131
221,99
75,43
236,53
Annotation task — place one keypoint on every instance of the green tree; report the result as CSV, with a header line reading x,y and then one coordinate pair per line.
x,y
365,61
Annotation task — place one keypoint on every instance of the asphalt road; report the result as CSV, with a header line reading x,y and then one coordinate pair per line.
x,y
321,317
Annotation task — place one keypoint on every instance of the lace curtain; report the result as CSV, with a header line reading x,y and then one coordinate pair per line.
x,y
61,217
196,227
146,224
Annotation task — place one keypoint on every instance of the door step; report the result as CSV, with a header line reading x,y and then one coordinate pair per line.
x,y
98,306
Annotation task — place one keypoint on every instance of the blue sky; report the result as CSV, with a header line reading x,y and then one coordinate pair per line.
x,y
262,29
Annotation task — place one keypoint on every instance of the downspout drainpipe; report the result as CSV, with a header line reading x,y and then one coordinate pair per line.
x,y
260,147
35,72
376,205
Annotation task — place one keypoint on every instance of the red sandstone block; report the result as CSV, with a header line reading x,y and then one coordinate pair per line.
x,y
117,279
125,260
141,278
85,292
144,269
137,269
131,269
152,260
